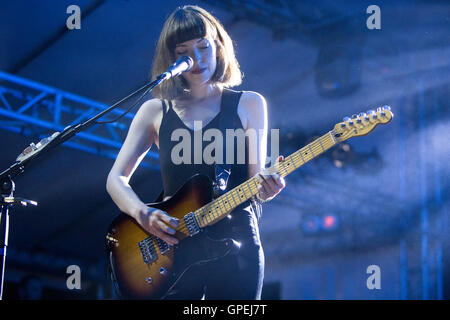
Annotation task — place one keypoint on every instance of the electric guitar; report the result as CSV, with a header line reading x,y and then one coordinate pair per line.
x,y
146,267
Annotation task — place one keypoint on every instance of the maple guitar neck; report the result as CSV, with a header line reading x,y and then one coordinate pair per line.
x,y
357,125
223,205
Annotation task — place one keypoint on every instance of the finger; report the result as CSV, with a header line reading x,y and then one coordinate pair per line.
x,y
164,227
276,183
165,234
167,218
158,233
263,177
279,180
263,192
270,185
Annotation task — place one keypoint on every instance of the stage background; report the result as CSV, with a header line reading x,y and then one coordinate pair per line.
x,y
378,200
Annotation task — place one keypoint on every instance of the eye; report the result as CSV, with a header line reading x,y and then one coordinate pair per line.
x,y
181,53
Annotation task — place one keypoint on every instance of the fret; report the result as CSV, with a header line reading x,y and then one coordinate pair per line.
x,y
280,167
300,151
321,144
201,215
309,146
220,205
296,160
256,185
249,189
286,171
234,200
242,187
332,138
217,206
204,215
292,161
208,215
240,196
225,201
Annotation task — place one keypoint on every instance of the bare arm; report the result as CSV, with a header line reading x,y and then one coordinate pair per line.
x,y
140,137
253,109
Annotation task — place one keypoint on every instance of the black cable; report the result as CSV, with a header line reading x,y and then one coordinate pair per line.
x,y
123,114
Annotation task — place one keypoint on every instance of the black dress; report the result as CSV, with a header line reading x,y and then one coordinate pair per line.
x,y
238,276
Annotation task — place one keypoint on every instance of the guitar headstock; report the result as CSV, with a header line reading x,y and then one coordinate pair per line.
x,y
363,123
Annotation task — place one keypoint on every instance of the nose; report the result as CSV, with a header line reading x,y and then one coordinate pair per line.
x,y
197,56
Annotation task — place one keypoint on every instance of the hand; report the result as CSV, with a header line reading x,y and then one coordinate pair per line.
x,y
270,185
155,221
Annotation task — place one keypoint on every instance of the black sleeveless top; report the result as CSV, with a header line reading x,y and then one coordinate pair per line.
x,y
175,175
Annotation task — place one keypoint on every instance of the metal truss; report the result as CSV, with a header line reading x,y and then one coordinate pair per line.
x,y
295,19
37,110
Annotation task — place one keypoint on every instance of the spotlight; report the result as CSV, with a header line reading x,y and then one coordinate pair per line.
x,y
329,222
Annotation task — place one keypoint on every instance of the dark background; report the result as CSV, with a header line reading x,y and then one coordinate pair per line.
x,y
384,195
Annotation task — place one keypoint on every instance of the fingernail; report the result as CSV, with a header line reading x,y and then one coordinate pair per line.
x,y
172,231
174,222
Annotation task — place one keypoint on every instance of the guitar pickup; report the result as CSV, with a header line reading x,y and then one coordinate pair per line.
x,y
162,245
148,250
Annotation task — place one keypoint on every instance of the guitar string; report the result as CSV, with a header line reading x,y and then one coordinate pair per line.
x,y
317,147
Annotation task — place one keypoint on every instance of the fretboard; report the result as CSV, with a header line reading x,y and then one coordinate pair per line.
x,y
220,207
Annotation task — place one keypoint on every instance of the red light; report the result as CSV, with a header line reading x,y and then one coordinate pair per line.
x,y
329,222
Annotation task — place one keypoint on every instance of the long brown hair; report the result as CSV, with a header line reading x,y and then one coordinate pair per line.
x,y
184,24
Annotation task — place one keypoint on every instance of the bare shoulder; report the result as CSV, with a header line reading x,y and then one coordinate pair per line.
x,y
150,113
252,107
150,108
252,99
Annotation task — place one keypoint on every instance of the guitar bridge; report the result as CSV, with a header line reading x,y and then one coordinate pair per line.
x,y
191,224
148,250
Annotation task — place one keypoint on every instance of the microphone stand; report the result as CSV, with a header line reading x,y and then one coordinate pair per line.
x,y
7,186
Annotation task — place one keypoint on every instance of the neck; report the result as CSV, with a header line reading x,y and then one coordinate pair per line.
x,y
203,91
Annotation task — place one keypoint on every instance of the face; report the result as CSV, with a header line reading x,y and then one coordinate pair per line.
x,y
203,52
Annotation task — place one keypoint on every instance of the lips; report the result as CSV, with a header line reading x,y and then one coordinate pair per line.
x,y
198,71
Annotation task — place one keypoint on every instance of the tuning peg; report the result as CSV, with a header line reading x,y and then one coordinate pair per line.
x,y
374,116
346,119
343,125
358,120
386,108
370,111
354,116
362,115
379,109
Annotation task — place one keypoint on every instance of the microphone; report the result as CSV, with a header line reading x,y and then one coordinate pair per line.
x,y
183,64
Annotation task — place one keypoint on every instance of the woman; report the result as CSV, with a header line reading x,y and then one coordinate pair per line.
x,y
199,95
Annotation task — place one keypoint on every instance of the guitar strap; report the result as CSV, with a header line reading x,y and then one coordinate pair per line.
x,y
226,121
